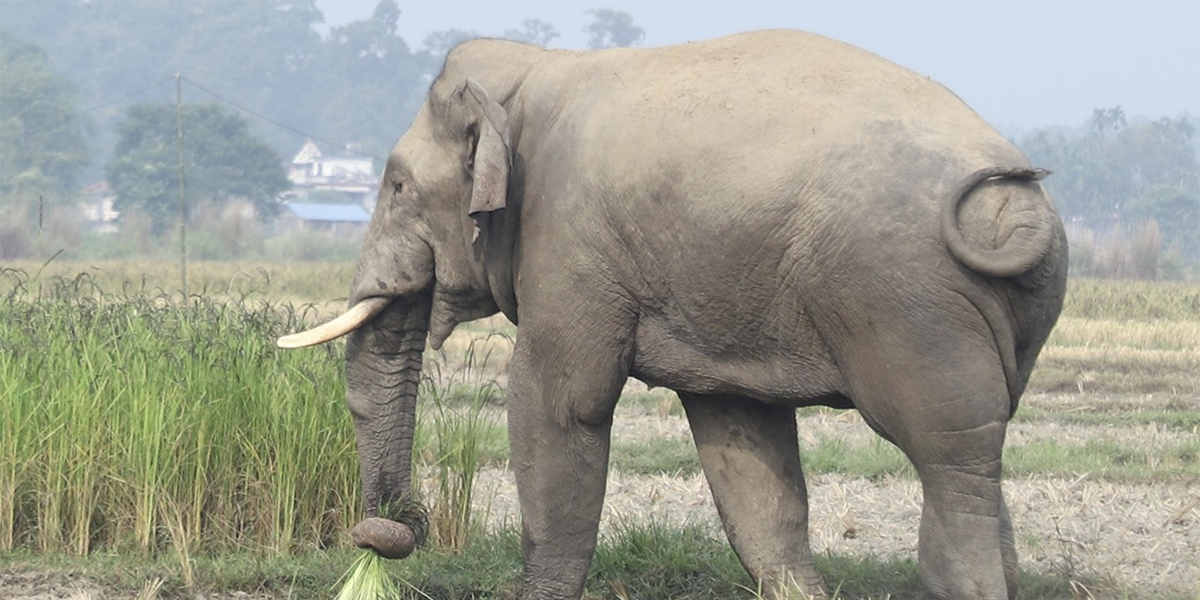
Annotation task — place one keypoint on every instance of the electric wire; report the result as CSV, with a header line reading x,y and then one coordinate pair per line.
x,y
263,117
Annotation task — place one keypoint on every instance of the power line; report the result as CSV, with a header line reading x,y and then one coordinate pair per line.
x,y
272,121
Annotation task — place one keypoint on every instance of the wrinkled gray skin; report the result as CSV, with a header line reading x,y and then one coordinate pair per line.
x,y
759,222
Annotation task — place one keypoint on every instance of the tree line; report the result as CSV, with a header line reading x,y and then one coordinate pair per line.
x,y
93,59
1129,192
86,94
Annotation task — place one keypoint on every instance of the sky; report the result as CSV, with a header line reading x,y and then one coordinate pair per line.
x,y
1021,64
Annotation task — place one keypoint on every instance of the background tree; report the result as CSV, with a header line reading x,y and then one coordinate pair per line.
x,y
259,54
1106,120
610,27
223,161
439,43
358,83
370,82
533,31
43,135
1112,176
264,55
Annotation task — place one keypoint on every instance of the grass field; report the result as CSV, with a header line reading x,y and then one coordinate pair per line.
x,y
144,439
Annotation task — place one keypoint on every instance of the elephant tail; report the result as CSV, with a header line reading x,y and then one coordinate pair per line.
x,y
1030,229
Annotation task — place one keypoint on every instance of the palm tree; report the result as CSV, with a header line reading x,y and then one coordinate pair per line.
x,y
1105,119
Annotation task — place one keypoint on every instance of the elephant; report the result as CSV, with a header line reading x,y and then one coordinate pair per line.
x,y
759,222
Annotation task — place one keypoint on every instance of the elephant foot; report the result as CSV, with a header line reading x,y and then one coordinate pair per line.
x,y
388,538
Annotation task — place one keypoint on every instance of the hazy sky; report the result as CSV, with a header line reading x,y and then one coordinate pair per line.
x,y
1019,63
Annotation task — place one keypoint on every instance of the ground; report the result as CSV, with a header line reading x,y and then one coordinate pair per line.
x,y
1130,535
1141,535
1102,464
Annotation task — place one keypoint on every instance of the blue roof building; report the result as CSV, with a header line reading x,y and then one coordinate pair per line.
x,y
339,220
329,213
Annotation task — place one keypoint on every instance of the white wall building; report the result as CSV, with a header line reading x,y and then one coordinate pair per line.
x,y
352,177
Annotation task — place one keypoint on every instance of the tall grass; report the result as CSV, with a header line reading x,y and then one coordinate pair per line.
x,y
456,436
131,420
139,421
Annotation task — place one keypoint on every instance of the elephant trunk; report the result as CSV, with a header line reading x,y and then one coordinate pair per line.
x,y
383,372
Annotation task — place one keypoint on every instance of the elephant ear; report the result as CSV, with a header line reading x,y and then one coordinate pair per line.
x,y
491,159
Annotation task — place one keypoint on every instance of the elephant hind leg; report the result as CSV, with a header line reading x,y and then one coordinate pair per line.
x,y
942,398
751,459
966,546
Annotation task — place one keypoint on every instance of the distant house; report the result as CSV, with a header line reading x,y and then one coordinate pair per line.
x,y
319,178
98,211
342,220
333,194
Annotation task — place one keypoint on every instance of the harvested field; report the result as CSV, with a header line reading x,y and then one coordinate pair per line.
x,y
1132,535
1102,461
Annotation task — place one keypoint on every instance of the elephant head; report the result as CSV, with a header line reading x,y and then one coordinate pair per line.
x,y
419,275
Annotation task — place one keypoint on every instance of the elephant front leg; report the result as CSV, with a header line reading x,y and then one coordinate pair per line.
x,y
559,420
751,459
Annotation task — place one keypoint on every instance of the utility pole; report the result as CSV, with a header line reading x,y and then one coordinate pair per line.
x,y
41,223
182,196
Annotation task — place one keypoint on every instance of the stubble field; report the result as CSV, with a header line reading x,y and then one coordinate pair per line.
x,y
169,447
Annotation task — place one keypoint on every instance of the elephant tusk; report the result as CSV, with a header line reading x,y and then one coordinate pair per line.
x,y
348,321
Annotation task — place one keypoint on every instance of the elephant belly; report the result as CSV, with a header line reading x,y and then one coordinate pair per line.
x,y
798,372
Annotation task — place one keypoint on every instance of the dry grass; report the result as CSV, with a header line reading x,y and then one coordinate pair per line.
x,y
1105,355
1160,334
296,283
1136,532
482,349
1132,300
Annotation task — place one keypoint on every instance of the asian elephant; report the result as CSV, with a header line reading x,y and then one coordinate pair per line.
x,y
759,222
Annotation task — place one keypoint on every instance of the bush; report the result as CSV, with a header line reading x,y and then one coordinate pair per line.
x,y
1124,252
1145,248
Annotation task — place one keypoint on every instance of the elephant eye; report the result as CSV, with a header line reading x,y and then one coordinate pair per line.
x,y
397,187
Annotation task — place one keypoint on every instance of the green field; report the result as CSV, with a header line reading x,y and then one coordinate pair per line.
x,y
148,439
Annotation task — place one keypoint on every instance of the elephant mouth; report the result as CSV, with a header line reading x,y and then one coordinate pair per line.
x,y
354,317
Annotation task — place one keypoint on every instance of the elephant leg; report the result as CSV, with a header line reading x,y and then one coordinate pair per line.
x,y
961,549
751,458
940,395
562,397
1008,550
